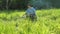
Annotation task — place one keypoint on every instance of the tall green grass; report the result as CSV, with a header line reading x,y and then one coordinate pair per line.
x,y
48,22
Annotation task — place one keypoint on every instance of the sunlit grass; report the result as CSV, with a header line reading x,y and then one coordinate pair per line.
x,y
48,22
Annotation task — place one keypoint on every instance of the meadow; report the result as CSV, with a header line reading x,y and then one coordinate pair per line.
x,y
48,22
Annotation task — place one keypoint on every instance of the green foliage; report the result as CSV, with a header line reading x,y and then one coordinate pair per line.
x,y
22,4
48,22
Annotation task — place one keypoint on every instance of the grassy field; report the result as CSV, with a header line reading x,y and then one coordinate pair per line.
x,y
48,22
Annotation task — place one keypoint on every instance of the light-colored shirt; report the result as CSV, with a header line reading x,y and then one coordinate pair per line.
x,y
30,11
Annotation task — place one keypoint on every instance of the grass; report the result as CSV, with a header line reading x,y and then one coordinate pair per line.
x,y
48,22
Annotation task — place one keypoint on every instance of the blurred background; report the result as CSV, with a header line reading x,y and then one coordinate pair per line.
x,y
21,4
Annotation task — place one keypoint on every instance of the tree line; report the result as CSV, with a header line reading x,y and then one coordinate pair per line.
x,y
21,4
13,4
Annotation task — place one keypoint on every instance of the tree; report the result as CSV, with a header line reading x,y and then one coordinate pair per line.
x,y
7,4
